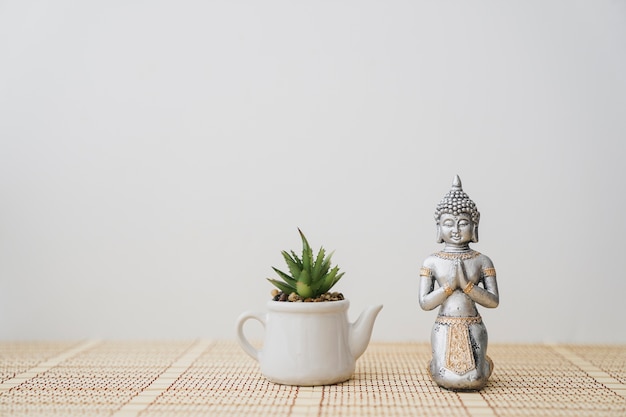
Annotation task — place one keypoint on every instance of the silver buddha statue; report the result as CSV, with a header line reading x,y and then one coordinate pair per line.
x,y
464,277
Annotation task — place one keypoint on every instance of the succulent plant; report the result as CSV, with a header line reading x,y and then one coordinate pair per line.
x,y
310,276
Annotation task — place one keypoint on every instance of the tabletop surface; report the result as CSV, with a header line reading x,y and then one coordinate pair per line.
x,y
216,378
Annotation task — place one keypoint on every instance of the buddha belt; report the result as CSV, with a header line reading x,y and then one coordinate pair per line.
x,y
459,355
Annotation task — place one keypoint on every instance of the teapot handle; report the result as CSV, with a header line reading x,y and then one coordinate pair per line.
x,y
242,339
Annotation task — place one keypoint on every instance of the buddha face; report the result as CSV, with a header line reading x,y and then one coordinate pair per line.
x,y
456,229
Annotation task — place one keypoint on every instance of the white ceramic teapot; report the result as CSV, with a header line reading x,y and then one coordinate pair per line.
x,y
309,343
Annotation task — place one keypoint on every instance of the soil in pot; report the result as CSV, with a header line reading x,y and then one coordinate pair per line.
x,y
295,298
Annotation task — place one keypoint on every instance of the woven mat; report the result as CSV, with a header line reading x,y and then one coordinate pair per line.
x,y
202,378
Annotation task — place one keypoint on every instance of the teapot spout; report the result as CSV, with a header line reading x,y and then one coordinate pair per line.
x,y
361,330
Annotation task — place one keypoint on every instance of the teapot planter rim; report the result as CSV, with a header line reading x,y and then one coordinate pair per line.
x,y
309,307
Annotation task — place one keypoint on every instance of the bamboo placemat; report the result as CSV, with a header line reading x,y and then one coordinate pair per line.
x,y
215,378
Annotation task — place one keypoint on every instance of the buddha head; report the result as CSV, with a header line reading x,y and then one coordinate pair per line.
x,y
457,216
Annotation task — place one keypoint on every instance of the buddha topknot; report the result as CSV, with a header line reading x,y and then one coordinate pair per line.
x,y
456,202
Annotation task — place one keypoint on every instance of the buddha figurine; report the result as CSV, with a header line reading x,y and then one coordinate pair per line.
x,y
465,278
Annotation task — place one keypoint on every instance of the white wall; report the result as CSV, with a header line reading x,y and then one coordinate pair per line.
x,y
156,156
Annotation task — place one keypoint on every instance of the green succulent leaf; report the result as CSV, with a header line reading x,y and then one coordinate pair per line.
x,y
307,253
297,259
304,290
289,280
329,280
318,285
287,289
317,267
326,265
294,267
305,277
337,278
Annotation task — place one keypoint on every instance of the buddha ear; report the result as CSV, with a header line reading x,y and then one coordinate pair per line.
x,y
439,235
475,233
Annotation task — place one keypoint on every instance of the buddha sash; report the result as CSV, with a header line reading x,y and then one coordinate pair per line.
x,y
459,355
